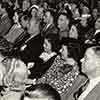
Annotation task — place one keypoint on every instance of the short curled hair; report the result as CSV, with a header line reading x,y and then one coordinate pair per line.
x,y
54,40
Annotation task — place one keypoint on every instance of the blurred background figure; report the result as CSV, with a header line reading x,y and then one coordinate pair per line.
x,y
26,5
63,25
34,22
16,29
5,22
49,19
14,79
41,92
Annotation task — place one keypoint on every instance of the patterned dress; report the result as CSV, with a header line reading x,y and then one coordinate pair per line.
x,y
60,76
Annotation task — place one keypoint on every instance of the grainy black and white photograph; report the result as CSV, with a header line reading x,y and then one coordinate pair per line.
x,y
49,49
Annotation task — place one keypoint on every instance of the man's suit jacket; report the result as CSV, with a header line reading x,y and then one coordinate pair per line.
x,y
21,39
75,87
94,94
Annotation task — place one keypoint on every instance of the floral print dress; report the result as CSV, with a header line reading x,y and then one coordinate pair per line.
x,y
60,76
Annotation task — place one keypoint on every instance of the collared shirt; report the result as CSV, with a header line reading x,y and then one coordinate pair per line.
x,y
90,86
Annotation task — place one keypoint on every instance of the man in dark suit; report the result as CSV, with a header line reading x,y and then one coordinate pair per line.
x,y
31,45
49,19
91,66
31,49
95,37
27,46
5,22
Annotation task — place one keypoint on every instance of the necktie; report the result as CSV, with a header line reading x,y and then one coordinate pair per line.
x,y
43,32
20,37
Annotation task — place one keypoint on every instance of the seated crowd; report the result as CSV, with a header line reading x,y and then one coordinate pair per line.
x,y
42,47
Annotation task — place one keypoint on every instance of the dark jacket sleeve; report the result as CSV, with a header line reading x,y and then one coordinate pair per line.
x,y
40,67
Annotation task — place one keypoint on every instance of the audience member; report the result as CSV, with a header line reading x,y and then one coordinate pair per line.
x,y
97,32
32,47
34,22
91,66
75,11
95,13
16,29
49,19
24,21
26,5
34,38
63,25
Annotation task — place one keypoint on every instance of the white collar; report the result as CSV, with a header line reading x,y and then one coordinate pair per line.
x,y
95,81
97,31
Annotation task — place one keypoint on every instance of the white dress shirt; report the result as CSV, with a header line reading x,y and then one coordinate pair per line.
x,y
92,84
45,56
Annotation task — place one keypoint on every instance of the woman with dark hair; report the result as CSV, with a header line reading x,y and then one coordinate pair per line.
x,y
73,46
46,58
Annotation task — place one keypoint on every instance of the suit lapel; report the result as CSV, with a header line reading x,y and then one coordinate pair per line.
x,y
94,93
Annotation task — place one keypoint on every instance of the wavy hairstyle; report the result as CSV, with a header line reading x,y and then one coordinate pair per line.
x,y
16,73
